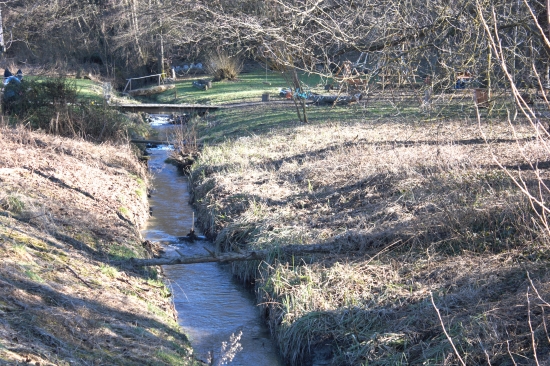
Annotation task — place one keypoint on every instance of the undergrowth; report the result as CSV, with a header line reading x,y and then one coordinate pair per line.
x,y
53,105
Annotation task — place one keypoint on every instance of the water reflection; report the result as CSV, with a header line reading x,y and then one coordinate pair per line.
x,y
212,309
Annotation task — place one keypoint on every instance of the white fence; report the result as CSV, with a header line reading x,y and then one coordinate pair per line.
x,y
128,86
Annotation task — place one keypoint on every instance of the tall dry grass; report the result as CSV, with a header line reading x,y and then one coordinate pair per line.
x,y
221,66
68,209
426,209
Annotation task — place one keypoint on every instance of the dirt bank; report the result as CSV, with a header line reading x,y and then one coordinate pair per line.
x,y
443,244
68,209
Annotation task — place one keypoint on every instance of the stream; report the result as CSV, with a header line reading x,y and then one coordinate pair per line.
x,y
216,312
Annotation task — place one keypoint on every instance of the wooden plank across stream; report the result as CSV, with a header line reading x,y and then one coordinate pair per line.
x,y
294,250
236,257
200,109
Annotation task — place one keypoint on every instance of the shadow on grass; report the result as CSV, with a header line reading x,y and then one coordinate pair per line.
x,y
259,119
478,318
262,119
101,332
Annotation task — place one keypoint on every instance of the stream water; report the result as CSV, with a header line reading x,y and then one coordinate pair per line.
x,y
216,312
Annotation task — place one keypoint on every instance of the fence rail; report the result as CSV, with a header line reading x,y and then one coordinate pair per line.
x,y
129,81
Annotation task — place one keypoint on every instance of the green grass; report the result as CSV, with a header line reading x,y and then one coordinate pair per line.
x,y
28,270
109,271
160,285
13,204
89,90
238,122
249,87
400,104
120,252
260,119
172,358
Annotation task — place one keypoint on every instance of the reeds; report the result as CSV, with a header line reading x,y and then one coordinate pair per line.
x,y
222,66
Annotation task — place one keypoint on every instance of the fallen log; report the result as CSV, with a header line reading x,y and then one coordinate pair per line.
x,y
150,91
235,257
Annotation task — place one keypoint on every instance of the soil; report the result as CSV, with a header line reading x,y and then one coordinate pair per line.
x,y
69,210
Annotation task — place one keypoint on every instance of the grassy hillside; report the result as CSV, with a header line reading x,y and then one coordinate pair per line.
x,y
434,246
68,209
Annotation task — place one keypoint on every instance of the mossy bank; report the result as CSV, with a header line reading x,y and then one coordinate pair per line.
x,y
68,209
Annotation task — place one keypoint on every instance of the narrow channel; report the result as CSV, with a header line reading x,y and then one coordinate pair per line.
x,y
215,311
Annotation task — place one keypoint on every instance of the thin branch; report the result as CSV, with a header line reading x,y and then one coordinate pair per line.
x,y
445,331
77,276
533,341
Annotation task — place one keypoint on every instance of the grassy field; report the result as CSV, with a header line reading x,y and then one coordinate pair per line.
x,y
434,244
68,209
405,105
248,88
89,90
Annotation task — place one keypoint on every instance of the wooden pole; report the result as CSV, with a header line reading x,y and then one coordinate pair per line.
x,y
2,46
161,56
296,250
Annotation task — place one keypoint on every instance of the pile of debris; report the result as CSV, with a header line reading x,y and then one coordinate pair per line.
x,y
192,68
202,84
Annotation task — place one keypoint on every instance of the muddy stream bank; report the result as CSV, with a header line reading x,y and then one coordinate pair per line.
x,y
216,312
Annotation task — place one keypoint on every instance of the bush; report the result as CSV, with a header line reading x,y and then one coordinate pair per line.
x,y
51,105
97,123
23,99
223,67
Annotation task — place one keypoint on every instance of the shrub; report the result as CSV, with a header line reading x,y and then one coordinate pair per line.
x,y
223,67
52,105
25,98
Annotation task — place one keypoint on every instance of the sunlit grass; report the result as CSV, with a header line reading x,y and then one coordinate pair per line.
x,y
417,196
249,87
89,90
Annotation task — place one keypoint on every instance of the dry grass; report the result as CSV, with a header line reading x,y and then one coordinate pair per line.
x,y
425,208
186,147
67,209
221,66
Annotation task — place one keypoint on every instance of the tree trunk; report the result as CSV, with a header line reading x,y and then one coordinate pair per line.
x,y
161,55
2,47
134,20
297,250
298,86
